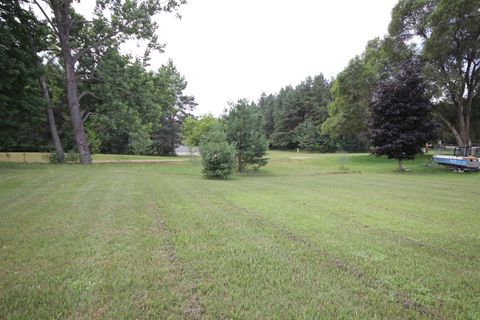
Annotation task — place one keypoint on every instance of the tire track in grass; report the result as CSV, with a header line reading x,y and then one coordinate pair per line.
x,y
393,235
434,251
193,308
371,282
216,211
254,218
381,231
402,298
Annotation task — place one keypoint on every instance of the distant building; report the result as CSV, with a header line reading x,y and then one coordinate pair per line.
x,y
185,151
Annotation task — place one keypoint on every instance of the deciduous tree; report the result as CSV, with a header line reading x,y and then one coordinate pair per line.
x,y
347,120
448,33
194,130
113,22
401,121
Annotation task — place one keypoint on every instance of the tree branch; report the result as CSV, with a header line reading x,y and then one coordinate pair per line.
x,y
475,76
46,17
84,118
87,77
449,125
52,58
451,89
83,94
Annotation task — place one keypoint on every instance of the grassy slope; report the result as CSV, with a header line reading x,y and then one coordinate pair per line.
x,y
298,238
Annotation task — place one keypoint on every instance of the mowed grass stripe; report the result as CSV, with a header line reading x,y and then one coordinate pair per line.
x,y
35,249
97,247
411,246
266,244
289,256
254,193
364,196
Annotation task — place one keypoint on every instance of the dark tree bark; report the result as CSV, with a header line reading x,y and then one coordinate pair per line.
x,y
239,164
51,121
61,10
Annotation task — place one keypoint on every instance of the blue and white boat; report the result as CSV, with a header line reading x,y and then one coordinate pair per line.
x,y
461,163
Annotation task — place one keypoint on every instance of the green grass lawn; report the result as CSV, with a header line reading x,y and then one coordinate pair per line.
x,y
309,236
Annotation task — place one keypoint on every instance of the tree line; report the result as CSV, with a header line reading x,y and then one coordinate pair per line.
x,y
441,36
66,83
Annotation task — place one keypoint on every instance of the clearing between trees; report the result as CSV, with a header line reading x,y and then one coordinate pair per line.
x,y
294,239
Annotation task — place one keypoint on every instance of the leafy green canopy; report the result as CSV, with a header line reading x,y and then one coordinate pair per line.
x,y
347,120
113,22
22,109
133,110
401,120
194,130
448,34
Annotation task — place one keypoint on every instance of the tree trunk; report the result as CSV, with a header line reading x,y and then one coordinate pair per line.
x,y
75,114
240,165
401,168
463,134
43,87
460,134
51,121
61,11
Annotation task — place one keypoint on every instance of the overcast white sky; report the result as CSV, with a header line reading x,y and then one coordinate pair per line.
x,y
231,49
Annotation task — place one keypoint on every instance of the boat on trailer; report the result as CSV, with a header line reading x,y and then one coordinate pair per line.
x,y
459,164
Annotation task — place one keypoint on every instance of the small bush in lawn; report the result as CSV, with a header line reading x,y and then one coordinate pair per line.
x,y
51,157
218,155
72,157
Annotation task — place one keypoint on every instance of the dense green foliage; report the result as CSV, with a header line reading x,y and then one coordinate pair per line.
x,y
289,113
115,104
132,110
112,23
218,156
401,121
348,115
124,107
194,130
243,124
447,33
445,41
22,109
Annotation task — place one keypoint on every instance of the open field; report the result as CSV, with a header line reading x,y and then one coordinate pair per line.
x,y
309,236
